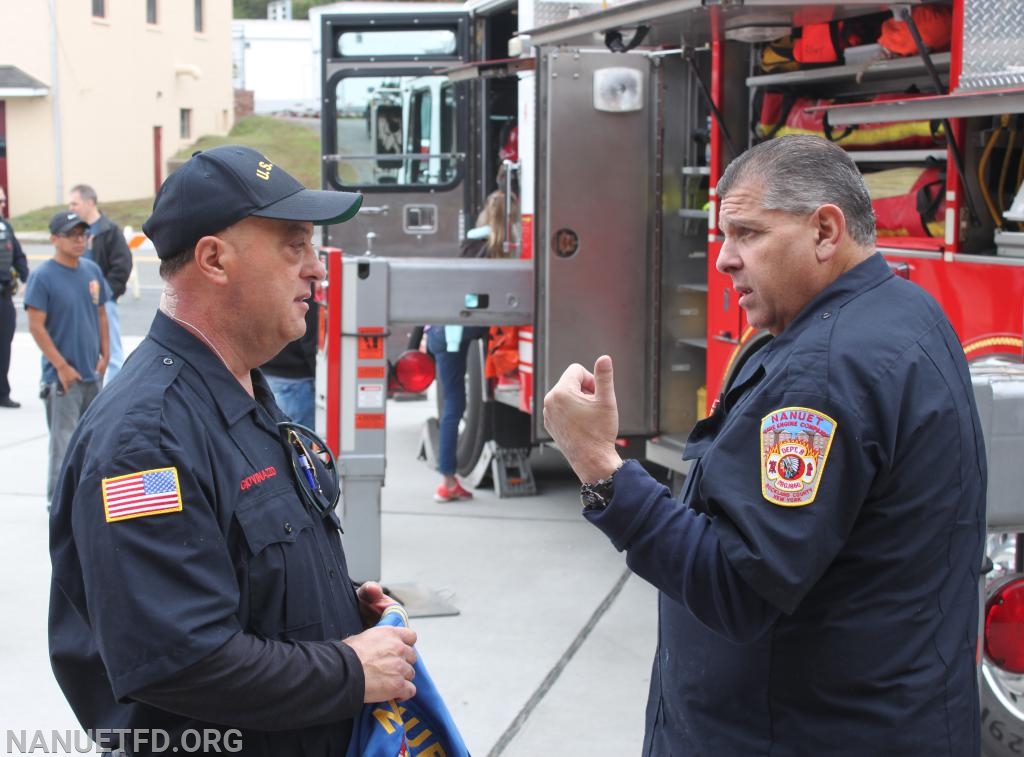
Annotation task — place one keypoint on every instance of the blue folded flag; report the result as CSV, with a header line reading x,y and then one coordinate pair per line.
x,y
421,726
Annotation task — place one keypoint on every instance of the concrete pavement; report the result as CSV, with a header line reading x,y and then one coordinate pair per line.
x,y
549,655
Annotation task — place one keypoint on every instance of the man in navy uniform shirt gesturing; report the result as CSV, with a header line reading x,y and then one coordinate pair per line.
x,y
818,575
199,582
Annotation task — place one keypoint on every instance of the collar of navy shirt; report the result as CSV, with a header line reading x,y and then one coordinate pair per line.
x,y
233,402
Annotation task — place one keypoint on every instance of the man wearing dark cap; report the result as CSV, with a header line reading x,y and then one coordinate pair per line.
x,y
200,588
64,299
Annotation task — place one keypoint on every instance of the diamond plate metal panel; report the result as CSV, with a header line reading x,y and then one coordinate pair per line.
x,y
553,11
993,48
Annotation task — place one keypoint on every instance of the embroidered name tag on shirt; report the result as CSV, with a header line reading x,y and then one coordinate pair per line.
x,y
258,477
136,495
794,447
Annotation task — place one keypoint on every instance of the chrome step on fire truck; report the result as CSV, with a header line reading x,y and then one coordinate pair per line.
x,y
627,113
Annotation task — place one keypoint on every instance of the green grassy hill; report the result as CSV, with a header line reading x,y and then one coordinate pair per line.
x,y
293,146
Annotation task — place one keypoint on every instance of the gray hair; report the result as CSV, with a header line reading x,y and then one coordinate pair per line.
x,y
799,174
85,192
170,266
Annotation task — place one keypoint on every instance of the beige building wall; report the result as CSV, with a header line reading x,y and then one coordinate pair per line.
x,y
115,79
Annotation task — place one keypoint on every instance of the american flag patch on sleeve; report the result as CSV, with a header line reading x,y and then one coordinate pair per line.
x,y
136,495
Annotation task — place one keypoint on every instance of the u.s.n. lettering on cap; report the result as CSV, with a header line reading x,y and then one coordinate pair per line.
x,y
219,187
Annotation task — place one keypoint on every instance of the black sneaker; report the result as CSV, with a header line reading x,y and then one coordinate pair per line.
x,y
8,402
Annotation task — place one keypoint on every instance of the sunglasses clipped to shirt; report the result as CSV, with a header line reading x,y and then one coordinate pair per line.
x,y
314,467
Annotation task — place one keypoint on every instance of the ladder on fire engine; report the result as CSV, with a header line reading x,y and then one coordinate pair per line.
x,y
508,467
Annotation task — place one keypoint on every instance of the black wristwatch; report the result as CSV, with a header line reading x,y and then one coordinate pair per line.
x,y
597,495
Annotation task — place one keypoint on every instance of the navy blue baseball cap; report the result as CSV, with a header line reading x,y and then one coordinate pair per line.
x,y
65,221
219,187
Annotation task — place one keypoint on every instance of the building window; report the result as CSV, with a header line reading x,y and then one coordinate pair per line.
x,y
199,15
185,123
99,9
151,17
279,10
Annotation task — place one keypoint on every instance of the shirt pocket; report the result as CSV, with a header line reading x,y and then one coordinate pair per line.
x,y
284,565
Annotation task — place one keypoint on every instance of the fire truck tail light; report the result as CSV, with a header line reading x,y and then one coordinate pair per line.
x,y
1004,626
413,372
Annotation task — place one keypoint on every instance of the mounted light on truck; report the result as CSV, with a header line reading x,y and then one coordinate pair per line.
x,y
618,90
413,372
1004,626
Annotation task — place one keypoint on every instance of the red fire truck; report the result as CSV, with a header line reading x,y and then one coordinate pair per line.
x,y
626,115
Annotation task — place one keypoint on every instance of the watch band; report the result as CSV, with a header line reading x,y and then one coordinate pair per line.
x,y
597,495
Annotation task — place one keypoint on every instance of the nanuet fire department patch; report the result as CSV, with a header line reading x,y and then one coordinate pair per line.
x,y
794,447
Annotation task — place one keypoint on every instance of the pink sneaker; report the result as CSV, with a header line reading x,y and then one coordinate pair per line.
x,y
444,494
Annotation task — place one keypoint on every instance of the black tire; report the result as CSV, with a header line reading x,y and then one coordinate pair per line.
x,y
472,428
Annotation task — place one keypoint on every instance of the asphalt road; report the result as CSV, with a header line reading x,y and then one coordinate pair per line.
x,y
136,307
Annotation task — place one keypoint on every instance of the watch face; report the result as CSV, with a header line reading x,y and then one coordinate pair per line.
x,y
596,496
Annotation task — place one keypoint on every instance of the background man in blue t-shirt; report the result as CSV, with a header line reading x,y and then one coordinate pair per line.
x,y
64,299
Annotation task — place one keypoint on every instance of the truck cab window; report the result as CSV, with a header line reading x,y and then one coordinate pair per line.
x,y
395,130
405,42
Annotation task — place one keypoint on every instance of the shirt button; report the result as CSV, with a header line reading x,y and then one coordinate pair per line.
x,y
288,527
826,315
168,361
331,572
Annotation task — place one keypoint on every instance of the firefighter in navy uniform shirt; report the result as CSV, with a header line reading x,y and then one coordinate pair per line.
x,y
818,575
196,585
13,269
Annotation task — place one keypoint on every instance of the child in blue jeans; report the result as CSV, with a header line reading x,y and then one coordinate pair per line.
x,y
450,344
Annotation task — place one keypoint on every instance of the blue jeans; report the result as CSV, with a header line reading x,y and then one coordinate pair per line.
x,y
451,382
296,397
116,350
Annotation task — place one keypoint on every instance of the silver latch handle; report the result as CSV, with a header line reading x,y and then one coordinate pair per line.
x,y
509,246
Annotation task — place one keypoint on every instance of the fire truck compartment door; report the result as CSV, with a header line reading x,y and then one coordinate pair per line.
x,y
394,129
594,240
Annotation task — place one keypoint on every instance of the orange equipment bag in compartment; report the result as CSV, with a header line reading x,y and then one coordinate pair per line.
x,y
783,113
934,22
908,202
